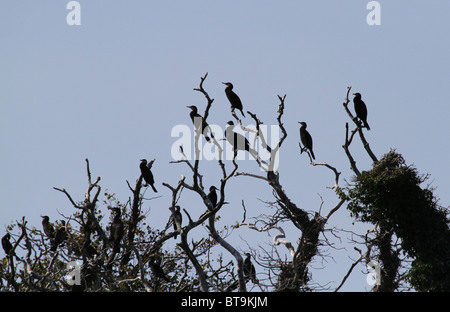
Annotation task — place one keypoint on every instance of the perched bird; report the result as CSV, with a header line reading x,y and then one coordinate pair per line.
x,y
360,109
6,244
239,142
212,195
249,269
157,270
117,230
48,228
147,174
306,138
199,123
60,236
177,217
234,99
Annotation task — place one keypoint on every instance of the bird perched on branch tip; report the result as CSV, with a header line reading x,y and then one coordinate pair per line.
x,y
306,138
234,99
360,109
147,174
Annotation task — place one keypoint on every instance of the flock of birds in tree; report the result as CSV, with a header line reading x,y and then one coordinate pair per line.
x,y
238,141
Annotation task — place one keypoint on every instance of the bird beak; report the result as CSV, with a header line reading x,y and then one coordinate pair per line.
x,y
354,93
224,83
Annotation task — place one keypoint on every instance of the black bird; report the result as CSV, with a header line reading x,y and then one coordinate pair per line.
x,y
360,109
177,217
117,230
306,138
60,236
6,244
234,99
238,141
147,174
249,269
48,228
198,122
157,270
212,195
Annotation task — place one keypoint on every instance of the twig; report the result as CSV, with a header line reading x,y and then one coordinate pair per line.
x,y
350,270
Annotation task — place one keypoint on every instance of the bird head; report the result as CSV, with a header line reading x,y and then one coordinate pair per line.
x,y
302,123
357,95
230,123
212,188
193,107
228,84
144,161
45,218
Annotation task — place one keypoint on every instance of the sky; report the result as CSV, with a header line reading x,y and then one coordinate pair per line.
x,y
113,88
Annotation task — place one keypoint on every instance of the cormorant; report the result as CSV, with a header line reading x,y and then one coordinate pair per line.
x,y
212,195
238,141
6,244
60,236
249,269
48,228
234,99
176,217
198,121
147,174
157,270
306,138
117,230
360,109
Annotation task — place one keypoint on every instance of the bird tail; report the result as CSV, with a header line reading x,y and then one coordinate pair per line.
x,y
312,154
153,187
366,125
242,113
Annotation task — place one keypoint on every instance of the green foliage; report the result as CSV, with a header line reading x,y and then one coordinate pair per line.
x,y
390,195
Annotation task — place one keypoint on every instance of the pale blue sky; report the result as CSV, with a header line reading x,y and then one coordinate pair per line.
x,y
112,89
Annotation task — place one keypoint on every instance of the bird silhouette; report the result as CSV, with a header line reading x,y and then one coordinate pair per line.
x,y
147,174
60,236
234,99
48,228
117,229
249,269
176,217
157,270
360,109
306,138
6,244
212,195
199,123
